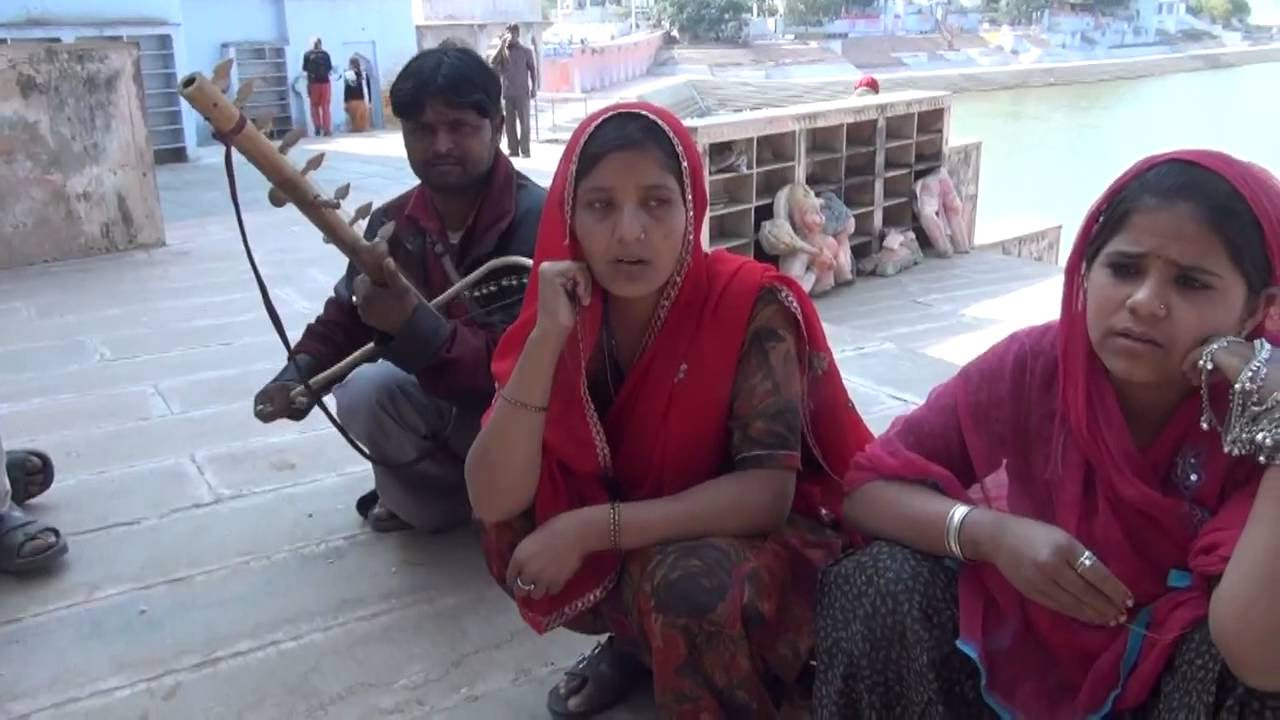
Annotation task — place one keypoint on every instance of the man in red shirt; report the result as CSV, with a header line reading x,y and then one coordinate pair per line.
x,y
318,66
418,408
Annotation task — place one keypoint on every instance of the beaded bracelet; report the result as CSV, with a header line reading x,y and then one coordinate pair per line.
x,y
520,405
615,526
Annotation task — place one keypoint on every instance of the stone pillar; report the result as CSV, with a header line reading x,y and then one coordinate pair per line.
x,y
963,161
78,177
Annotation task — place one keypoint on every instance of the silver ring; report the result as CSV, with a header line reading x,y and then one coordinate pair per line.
x,y
1086,561
520,584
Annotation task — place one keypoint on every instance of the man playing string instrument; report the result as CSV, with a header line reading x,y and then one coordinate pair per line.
x,y
418,409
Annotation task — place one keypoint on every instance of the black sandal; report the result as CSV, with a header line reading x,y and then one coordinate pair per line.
x,y
25,484
16,530
380,518
607,673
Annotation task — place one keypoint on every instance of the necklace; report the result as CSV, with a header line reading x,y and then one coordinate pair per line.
x,y
610,352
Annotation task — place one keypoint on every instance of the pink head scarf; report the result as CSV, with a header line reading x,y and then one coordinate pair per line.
x,y
1036,419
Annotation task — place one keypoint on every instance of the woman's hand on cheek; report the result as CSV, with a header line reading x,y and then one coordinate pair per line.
x,y
1228,363
548,557
563,286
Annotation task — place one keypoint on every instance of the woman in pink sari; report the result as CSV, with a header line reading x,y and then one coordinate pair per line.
x,y
1071,534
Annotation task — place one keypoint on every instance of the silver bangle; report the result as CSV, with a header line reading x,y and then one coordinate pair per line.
x,y
955,519
1252,424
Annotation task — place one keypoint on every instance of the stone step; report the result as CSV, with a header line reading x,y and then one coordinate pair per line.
x,y
436,587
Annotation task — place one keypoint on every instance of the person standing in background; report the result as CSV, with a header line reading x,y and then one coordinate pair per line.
x,y
355,95
318,66
519,71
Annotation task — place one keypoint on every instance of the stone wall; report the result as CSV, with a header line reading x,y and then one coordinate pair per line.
x,y
77,177
964,160
1008,77
1039,245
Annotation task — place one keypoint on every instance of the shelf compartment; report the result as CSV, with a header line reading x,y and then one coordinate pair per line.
x,y
730,208
900,127
776,149
824,143
932,121
863,134
828,172
746,147
897,187
733,244
769,182
860,196
926,166
898,215
731,191
731,229
862,163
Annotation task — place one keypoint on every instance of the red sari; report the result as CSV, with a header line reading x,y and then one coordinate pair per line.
x,y
1035,424
667,429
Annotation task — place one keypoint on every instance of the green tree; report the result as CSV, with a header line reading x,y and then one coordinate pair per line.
x,y
1015,12
1111,7
812,13
1222,11
704,19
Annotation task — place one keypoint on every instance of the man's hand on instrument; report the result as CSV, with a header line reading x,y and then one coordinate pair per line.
x,y
273,401
385,307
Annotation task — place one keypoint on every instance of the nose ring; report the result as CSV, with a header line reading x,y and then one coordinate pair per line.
x,y
1164,309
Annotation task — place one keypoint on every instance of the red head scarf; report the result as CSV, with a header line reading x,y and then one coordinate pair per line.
x,y
869,82
668,428
1036,420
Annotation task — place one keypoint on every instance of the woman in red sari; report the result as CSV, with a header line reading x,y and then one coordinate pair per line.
x,y
1118,561
663,456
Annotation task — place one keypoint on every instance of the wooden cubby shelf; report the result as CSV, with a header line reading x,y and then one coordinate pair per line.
x,y
868,154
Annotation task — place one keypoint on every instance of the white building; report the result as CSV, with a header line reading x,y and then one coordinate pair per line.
x,y
1150,16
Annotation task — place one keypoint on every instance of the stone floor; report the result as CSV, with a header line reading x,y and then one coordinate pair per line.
x,y
217,568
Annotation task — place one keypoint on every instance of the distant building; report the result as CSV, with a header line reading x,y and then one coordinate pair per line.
x,y
477,25
268,38
1150,16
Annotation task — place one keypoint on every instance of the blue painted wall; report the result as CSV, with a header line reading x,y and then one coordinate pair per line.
x,y
381,28
207,24
80,12
348,26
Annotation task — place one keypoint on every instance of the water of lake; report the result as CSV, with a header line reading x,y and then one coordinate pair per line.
x,y
1048,152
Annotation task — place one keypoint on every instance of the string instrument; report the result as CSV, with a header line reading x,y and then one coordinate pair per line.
x,y
290,186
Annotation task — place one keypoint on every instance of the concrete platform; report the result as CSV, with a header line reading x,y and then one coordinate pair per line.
x,y
217,567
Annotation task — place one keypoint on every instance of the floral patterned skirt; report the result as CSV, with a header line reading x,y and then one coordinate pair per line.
x,y
887,624
726,624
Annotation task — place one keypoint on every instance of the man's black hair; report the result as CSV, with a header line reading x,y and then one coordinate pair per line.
x,y
452,75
